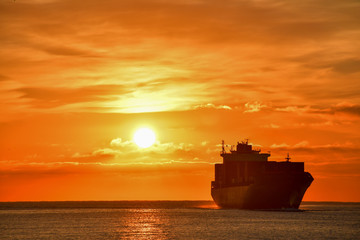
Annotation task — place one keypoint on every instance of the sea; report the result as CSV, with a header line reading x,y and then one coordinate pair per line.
x,y
175,220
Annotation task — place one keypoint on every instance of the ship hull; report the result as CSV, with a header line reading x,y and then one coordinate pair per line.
x,y
275,191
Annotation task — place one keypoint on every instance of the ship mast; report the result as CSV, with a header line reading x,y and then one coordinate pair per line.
x,y
288,158
223,146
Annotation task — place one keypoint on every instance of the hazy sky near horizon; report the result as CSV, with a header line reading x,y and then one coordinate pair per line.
x,y
77,78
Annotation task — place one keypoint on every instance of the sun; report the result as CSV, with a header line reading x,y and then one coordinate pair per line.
x,y
144,137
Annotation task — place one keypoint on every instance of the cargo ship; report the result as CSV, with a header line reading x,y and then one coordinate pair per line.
x,y
247,180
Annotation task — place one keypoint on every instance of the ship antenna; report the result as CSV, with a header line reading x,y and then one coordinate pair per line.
x,y
288,158
223,146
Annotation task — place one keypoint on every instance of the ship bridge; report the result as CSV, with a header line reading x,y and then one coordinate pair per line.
x,y
243,152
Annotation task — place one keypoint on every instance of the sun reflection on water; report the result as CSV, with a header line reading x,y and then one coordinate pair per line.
x,y
146,224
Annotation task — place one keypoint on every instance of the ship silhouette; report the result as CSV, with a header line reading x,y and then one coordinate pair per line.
x,y
247,180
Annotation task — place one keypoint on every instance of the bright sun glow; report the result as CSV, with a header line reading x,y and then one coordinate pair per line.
x,y
144,137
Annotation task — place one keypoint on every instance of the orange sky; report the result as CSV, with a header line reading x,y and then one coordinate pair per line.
x,y
77,78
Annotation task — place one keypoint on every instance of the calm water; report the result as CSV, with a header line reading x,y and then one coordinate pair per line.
x,y
174,220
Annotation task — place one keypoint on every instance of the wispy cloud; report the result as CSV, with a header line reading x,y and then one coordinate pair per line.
x,y
211,105
198,58
306,145
254,107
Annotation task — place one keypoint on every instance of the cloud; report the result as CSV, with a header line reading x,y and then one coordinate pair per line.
x,y
169,54
345,107
341,65
66,51
211,105
252,107
40,1
347,66
343,168
40,169
117,142
301,144
55,97
271,125
306,146
120,151
156,147
3,78
350,109
282,145
261,19
342,107
295,109
99,155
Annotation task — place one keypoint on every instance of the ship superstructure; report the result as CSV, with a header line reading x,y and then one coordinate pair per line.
x,y
246,179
